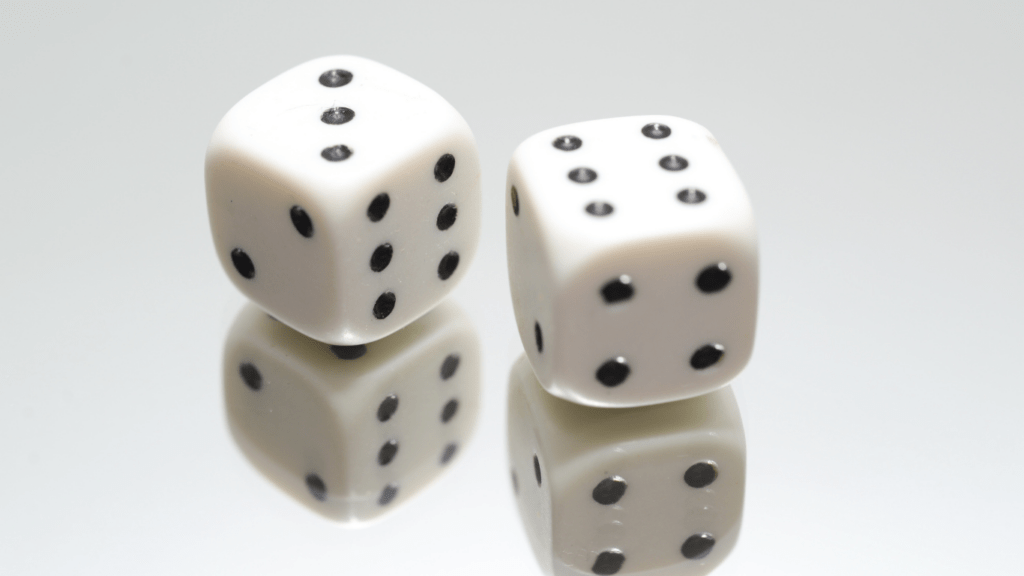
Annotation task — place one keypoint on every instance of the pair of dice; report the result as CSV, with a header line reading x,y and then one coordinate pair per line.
x,y
633,268
344,201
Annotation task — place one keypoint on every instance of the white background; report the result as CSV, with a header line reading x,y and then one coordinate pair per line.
x,y
881,143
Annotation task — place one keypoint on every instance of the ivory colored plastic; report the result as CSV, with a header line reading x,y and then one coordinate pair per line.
x,y
624,218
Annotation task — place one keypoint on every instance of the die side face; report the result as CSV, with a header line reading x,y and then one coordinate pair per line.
x,y
659,285
352,432
345,211
528,258
653,490
657,323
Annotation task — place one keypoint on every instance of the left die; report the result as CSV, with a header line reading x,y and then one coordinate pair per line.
x,y
352,432
344,198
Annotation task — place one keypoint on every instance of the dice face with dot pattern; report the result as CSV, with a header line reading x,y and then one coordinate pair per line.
x,y
652,491
352,431
344,198
632,261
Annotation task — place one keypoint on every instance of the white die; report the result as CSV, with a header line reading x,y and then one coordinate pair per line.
x,y
352,431
632,260
651,491
344,198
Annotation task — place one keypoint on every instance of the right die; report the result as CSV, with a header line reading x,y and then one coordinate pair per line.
x,y
651,491
632,260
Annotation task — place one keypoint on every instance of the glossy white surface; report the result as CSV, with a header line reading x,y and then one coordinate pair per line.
x,y
265,158
648,450
312,413
879,142
561,256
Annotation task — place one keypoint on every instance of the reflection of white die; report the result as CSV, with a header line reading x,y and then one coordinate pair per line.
x,y
344,198
632,260
652,491
352,431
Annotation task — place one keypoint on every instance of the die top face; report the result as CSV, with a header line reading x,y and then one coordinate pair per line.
x,y
290,128
344,198
369,422
659,488
614,184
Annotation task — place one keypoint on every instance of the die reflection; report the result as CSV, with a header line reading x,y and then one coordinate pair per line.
x,y
655,490
352,431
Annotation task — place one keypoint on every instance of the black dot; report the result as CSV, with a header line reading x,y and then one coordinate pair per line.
x,y
706,355
316,487
449,366
387,408
656,131
449,451
446,217
536,468
691,196
301,221
336,153
608,562
698,546
381,257
387,452
515,482
700,474
250,375
617,290
538,337
449,410
609,490
337,115
515,201
714,278
613,372
378,207
582,175
348,352
384,305
599,208
243,263
673,163
449,262
444,167
335,78
567,143
387,494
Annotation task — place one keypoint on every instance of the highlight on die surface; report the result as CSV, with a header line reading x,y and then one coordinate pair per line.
x,y
352,432
344,198
652,491
632,259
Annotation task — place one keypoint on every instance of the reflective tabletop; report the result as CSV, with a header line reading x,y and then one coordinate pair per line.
x,y
879,144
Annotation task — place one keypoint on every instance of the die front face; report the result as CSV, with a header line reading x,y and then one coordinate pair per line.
x,y
344,198
352,432
654,490
632,261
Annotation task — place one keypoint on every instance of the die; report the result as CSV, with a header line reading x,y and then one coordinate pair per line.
x,y
652,491
344,198
352,432
632,259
